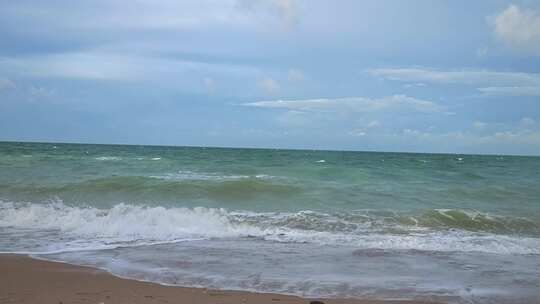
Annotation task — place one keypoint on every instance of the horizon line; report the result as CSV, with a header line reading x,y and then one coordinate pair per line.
x,y
260,148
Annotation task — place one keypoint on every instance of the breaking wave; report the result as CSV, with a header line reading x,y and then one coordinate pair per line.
x,y
130,225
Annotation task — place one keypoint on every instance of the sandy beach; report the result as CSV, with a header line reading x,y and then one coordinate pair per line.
x,y
26,280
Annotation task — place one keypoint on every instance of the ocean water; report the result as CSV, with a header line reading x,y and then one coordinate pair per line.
x,y
458,228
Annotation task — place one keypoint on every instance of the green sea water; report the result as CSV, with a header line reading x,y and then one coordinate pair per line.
x,y
268,180
83,203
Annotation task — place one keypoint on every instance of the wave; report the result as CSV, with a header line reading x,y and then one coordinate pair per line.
x,y
108,158
126,222
396,222
127,225
167,187
117,158
209,176
473,220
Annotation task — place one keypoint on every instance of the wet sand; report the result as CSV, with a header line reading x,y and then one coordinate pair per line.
x,y
27,280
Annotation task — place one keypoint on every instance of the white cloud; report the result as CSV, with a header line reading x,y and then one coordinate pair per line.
x,y
479,125
414,85
522,126
370,126
116,66
353,104
209,84
363,131
36,93
487,82
96,66
138,15
373,124
527,121
507,141
511,137
357,132
414,132
517,137
286,10
107,23
502,137
519,28
269,85
6,84
466,77
511,91
295,75
482,52
294,119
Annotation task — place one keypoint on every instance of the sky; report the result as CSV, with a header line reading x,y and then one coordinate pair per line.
x,y
414,76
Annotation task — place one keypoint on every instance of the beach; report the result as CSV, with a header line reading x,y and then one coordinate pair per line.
x,y
26,280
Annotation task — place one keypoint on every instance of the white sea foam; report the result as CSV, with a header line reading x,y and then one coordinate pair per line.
x,y
190,175
123,222
208,176
126,224
105,158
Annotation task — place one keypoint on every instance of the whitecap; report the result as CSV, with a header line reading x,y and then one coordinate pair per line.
x,y
126,225
108,158
209,176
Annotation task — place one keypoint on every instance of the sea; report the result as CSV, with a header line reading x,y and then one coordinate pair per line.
x,y
445,227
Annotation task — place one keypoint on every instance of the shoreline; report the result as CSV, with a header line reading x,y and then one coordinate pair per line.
x,y
28,280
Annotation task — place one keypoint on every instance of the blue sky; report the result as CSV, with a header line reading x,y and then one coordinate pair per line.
x,y
418,76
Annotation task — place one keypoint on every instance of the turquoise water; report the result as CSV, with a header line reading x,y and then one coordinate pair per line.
x,y
462,228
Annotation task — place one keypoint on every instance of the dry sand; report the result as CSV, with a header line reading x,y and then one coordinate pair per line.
x,y
26,280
